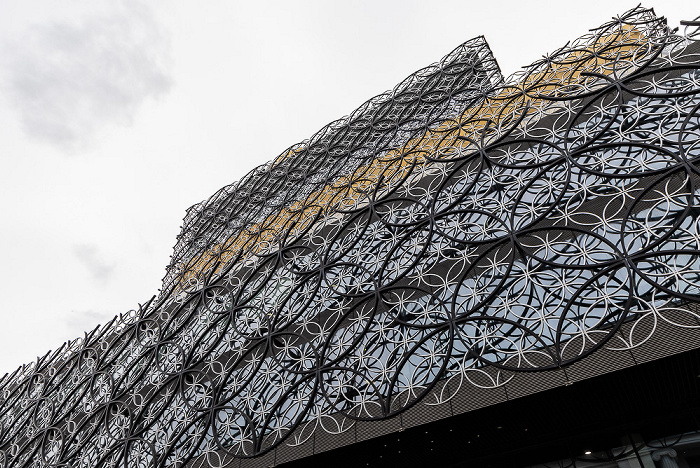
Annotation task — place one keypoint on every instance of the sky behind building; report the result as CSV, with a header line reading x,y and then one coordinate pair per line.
x,y
115,117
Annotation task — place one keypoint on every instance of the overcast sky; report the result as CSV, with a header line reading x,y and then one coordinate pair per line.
x,y
117,116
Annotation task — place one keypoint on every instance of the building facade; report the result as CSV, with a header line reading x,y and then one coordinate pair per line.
x,y
467,270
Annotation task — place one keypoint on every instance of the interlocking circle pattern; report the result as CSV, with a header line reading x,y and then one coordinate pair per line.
x,y
459,224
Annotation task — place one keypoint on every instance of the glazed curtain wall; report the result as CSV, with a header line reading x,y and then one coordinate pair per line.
x,y
452,233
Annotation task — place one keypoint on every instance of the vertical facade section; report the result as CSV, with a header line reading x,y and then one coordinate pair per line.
x,y
407,262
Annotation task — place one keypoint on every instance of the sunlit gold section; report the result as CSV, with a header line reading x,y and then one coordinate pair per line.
x,y
560,75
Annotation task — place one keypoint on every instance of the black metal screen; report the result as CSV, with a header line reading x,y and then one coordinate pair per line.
x,y
452,235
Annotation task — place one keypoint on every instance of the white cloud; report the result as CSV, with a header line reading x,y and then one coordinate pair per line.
x,y
85,319
90,258
69,79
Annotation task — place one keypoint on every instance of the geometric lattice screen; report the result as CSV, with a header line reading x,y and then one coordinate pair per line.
x,y
445,237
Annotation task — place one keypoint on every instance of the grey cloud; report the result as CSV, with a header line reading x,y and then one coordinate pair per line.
x,y
69,80
88,255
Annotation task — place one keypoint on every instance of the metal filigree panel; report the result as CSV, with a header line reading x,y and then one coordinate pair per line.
x,y
446,236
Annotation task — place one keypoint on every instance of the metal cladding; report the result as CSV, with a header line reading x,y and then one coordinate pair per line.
x,y
446,236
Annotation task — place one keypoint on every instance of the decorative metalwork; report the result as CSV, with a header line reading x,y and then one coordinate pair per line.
x,y
459,229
